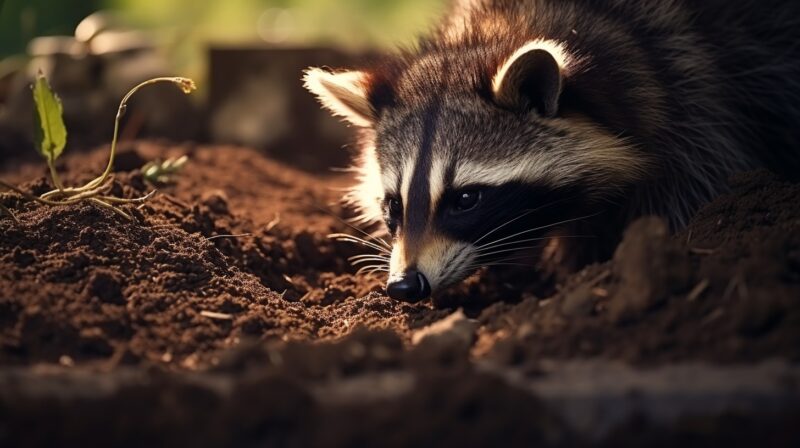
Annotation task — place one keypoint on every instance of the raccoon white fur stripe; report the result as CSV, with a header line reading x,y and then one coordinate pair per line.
x,y
516,119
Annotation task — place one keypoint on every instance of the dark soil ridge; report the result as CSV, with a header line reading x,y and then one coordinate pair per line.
x,y
368,388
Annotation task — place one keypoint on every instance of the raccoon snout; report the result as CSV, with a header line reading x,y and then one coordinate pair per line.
x,y
411,286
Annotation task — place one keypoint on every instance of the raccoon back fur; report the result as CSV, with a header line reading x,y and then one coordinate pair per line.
x,y
521,122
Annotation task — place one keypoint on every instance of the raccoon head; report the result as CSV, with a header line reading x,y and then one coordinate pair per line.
x,y
468,158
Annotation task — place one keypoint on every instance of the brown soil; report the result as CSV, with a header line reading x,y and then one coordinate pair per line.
x,y
726,289
230,268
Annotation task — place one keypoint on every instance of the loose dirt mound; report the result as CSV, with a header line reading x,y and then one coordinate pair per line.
x,y
726,289
174,285
237,250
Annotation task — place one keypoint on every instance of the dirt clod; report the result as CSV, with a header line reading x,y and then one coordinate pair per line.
x,y
106,286
649,267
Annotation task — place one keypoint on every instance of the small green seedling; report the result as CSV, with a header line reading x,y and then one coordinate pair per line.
x,y
51,138
163,172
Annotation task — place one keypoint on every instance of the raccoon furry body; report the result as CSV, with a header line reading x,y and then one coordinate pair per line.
x,y
573,116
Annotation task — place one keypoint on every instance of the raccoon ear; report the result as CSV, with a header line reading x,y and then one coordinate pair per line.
x,y
531,79
345,94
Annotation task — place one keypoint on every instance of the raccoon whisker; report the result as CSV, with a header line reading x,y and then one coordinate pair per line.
x,y
455,263
375,265
364,260
369,260
368,273
489,265
372,269
526,213
380,241
369,256
355,257
373,272
511,264
356,240
511,258
501,262
509,243
370,238
567,221
513,249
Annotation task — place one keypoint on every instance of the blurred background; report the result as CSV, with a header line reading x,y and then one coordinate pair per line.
x,y
246,56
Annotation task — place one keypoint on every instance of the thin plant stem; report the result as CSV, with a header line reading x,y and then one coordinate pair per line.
x,y
54,175
116,210
93,190
27,195
185,84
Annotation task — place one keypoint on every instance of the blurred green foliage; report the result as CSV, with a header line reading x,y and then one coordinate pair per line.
x,y
184,27
22,20
344,22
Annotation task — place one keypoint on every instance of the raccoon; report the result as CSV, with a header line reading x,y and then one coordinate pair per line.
x,y
548,125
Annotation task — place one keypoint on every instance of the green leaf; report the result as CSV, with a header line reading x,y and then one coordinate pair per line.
x,y
50,132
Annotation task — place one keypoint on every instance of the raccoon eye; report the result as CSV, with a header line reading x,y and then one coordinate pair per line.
x,y
394,207
466,200
393,211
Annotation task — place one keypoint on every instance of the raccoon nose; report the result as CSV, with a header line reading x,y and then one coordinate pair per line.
x,y
411,286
